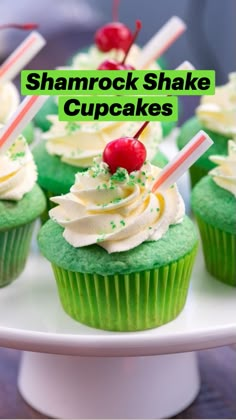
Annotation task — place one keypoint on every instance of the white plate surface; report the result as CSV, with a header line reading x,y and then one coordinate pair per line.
x,y
31,318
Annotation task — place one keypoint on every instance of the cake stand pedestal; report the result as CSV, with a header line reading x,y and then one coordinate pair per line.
x,y
103,387
69,370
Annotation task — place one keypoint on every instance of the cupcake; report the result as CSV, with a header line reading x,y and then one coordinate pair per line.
x,y
214,205
69,148
9,102
21,202
216,115
122,255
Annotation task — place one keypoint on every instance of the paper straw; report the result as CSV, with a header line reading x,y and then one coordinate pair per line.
x,y
23,115
21,56
186,65
184,159
161,41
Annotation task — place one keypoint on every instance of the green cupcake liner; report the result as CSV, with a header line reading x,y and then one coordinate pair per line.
x,y
196,174
49,205
219,250
126,302
14,250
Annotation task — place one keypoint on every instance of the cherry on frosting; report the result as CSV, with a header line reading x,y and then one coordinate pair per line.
x,y
110,64
113,35
126,152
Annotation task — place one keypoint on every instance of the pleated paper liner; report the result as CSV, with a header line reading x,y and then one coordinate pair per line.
x,y
219,250
14,250
126,302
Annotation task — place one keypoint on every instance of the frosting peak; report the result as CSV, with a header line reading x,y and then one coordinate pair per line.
x,y
218,112
79,143
225,174
18,172
117,212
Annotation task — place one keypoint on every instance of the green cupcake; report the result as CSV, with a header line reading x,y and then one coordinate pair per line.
x,y
216,115
21,203
68,148
214,205
122,256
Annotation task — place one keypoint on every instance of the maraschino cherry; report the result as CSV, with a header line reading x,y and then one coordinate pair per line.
x,y
113,64
24,26
113,35
126,152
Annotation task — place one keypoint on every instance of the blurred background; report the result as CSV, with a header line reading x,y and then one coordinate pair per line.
x,y
68,25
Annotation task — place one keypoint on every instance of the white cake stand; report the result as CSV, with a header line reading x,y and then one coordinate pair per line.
x,y
73,371
69,370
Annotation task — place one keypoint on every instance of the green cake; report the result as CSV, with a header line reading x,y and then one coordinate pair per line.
x,y
214,205
28,133
21,203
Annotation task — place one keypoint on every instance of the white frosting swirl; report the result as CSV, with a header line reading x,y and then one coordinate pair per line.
x,y
117,212
18,172
78,143
218,112
225,174
9,101
94,57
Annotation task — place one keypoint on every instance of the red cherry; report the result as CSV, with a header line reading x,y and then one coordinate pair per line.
x,y
114,65
126,152
109,65
114,35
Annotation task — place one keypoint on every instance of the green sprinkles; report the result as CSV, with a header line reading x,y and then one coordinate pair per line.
x,y
101,238
113,225
18,155
122,222
120,175
116,200
71,127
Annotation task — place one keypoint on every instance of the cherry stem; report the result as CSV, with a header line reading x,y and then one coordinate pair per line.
x,y
115,10
138,24
24,27
136,136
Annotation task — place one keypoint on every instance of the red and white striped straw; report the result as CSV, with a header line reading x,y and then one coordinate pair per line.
x,y
21,56
184,159
23,115
161,41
